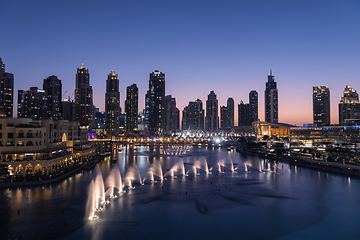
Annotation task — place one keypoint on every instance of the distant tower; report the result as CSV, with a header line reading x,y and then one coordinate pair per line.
x,y
223,117
321,106
6,91
53,87
172,115
349,106
212,116
230,113
112,104
156,102
193,116
131,108
83,98
244,116
253,101
271,100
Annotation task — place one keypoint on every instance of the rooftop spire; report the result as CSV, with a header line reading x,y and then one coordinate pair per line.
x,y
270,72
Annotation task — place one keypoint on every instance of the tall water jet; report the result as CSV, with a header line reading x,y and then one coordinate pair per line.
x,y
99,190
91,203
114,181
157,169
133,173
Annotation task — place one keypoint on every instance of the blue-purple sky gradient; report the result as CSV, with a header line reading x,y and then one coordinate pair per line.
x,y
225,46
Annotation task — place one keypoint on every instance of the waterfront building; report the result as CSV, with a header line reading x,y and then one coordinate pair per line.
x,y
278,130
193,116
349,106
100,120
172,115
53,88
212,116
156,102
271,100
230,113
20,104
112,104
321,106
32,146
131,108
6,91
83,107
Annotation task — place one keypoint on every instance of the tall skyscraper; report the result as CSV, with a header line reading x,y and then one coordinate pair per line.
x,y
271,100
253,101
21,94
6,91
172,115
349,106
53,87
193,116
112,104
244,114
83,98
321,106
230,112
223,117
131,108
212,116
156,102
35,104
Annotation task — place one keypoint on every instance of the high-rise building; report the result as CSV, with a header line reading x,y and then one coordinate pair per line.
x,y
21,94
253,101
6,91
244,114
212,116
83,98
112,104
349,106
156,102
230,113
193,116
68,110
53,87
271,100
223,117
321,106
131,108
172,115
35,104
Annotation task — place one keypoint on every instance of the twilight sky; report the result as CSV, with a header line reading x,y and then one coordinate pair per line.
x,y
225,46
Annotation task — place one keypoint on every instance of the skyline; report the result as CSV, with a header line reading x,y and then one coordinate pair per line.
x,y
228,48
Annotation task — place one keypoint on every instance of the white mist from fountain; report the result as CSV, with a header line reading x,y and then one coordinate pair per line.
x,y
156,169
114,181
131,174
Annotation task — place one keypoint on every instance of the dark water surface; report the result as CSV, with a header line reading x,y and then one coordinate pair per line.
x,y
278,202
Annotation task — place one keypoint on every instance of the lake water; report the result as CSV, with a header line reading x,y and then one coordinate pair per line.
x,y
262,199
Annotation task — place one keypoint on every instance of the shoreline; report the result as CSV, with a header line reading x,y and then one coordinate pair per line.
x,y
332,167
53,180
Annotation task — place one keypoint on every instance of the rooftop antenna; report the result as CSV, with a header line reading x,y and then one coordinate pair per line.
x,y
270,72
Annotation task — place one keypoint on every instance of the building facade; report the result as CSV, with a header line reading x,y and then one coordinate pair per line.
x,y
131,108
35,104
156,102
83,107
230,113
321,106
271,100
112,104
